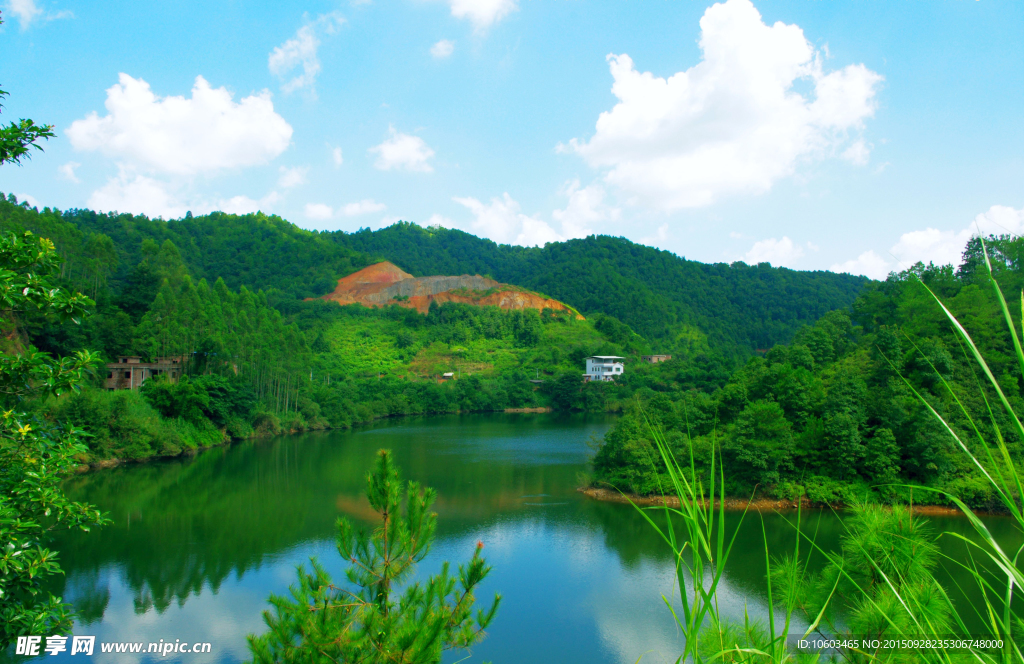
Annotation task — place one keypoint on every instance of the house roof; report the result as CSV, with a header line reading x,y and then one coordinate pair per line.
x,y
605,357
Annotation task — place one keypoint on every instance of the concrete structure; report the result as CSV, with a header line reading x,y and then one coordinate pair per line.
x,y
603,367
129,372
654,359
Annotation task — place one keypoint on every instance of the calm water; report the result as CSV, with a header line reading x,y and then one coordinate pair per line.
x,y
197,545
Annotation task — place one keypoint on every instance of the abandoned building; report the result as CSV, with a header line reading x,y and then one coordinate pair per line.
x,y
129,372
654,359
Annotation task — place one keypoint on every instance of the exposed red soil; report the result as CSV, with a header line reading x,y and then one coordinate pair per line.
x,y
739,504
760,504
385,284
369,280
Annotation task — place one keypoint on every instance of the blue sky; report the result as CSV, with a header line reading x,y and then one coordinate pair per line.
x,y
818,135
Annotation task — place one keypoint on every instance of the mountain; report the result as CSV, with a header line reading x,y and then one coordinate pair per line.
x,y
385,284
738,307
677,303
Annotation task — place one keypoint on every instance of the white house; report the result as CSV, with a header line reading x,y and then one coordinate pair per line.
x,y
603,367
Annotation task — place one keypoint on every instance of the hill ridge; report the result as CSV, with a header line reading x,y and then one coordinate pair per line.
x,y
676,302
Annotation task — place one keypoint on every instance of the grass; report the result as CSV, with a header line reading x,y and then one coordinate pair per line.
x,y
364,346
882,581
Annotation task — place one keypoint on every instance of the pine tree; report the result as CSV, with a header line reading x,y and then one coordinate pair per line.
x,y
366,622
880,585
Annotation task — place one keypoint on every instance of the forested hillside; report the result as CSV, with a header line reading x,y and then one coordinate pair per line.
x,y
228,294
257,251
732,309
259,362
831,414
658,294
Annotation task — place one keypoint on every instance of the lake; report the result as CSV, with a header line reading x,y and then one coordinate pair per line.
x,y
198,544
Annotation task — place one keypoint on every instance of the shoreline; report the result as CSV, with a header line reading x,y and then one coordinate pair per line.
x,y
756,504
114,462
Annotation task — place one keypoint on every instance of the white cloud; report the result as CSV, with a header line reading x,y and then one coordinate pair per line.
x,y
403,151
442,49
946,247
932,245
67,171
1000,220
243,204
659,237
536,232
501,221
782,252
180,136
586,206
858,153
26,198
301,52
365,206
869,264
137,194
336,156
292,177
440,220
26,12
734,122
482,13
319,211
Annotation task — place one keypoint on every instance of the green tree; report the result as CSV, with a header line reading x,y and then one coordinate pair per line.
x,y
363,623
17,138
35,455
566,391
883,456
764,441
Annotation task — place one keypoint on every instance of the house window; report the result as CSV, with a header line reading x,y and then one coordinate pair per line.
x,y
128,374
110,374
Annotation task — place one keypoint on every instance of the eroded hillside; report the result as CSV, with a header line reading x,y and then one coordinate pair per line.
x,y
385,283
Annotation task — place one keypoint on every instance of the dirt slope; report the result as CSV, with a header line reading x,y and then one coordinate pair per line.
x,y
385,283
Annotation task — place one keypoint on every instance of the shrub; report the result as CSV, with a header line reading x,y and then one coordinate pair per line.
x,y
117,424
266,424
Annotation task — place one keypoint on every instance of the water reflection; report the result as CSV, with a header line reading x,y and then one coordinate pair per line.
x,y
198,544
